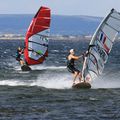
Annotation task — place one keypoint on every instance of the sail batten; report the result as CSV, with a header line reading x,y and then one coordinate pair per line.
x,y
112,27
45,45
36,42
101,45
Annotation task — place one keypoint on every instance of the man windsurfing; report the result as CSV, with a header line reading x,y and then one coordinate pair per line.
x,y
19,52
23,64
71,66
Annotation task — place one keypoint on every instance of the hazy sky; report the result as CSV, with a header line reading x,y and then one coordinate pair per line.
x,y
60,7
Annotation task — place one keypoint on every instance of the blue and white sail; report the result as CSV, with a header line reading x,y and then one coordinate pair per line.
x,y
101,45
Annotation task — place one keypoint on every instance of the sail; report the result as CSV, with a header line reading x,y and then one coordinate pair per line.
x,y
101,45
36,41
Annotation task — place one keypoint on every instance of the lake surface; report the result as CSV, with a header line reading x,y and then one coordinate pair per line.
x,y
45,93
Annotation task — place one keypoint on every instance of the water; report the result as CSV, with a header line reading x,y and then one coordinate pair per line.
x,y
45,93
63,25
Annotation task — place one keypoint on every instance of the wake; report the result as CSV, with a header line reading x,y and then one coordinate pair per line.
x,y
108,81
63,82
41,67
57,77
50,82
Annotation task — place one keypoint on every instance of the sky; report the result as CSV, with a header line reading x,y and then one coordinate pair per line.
x,y
60,7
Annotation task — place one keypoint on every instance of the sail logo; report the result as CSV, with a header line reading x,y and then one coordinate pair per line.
x,y
102,53
103,40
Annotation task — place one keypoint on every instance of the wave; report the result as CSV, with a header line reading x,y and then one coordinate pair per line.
x,y
53,82
57,77
107,81
41,67
60,82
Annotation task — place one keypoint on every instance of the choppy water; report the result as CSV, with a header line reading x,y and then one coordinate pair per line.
x,y
45,93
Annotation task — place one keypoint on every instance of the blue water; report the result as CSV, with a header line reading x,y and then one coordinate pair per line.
x,y
62,25
45,93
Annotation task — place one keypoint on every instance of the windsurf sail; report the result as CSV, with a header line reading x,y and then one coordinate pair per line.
x,y
100,46
36,41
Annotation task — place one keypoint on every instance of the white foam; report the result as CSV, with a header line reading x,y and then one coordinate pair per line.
x,y
47,80
106,82
14,83
43,67
59,82
56,82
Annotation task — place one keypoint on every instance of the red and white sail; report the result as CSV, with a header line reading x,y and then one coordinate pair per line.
x,y
36,41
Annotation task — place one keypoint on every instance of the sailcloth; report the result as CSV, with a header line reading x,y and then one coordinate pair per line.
x,y
36,41
101,45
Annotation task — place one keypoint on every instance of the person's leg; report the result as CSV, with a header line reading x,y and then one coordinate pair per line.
x,y
78,74
80,77
21,62
75,74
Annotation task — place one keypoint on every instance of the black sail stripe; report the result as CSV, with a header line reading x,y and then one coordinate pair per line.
x,y
93,47
95,60
115,18
95,66
45,45
93,72
30,49
42,35
112,27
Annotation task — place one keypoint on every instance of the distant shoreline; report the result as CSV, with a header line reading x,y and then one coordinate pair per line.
x,y
17,38
52,37
12,37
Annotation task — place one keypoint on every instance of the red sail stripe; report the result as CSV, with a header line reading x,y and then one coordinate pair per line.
x,y
39,23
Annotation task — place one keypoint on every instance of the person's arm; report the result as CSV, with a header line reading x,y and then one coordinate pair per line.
x,y
21,52
80,56
76,57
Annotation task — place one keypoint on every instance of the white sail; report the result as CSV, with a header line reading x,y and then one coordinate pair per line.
x,y
101,45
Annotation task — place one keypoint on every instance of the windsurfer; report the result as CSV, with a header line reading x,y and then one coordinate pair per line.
x,y
18,55
71,67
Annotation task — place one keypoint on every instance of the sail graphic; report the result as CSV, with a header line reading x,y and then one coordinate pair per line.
x,y
36,41
101,45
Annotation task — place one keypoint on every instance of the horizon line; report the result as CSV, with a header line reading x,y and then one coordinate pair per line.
x,y
51,14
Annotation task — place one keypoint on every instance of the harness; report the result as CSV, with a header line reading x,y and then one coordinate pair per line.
x,y
70,63
18,55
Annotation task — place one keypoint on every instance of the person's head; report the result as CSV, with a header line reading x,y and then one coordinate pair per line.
x,y
19,48
72,51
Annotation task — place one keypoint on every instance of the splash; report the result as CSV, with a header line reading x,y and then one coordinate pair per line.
x,y
108,81
41,67
50,82
49,77
58,81
44,67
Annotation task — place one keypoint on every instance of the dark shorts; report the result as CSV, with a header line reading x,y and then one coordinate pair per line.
x,y
18,59
73,69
